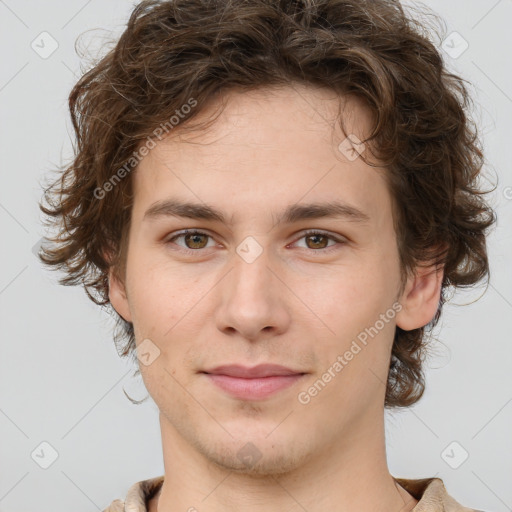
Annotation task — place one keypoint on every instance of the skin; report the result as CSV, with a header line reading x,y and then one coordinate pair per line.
x,y
297,305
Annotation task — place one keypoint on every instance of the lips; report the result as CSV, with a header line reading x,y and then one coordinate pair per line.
x,y
256,383
259,371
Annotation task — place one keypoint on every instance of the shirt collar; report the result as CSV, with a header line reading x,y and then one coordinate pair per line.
x,y
430,493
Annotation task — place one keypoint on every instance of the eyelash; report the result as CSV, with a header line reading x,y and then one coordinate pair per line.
x,y
304,235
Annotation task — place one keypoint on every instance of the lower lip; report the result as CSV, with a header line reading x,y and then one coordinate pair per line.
x,y
253,389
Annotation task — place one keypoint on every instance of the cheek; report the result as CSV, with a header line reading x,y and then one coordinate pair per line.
x,y
156,295
352,293
349,307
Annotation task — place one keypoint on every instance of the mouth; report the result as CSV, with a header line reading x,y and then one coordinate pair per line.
x,y
254,383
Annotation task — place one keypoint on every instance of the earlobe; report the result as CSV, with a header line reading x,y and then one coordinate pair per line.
x,y
117,296
420,298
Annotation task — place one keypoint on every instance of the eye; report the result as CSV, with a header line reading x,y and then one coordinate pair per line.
x,y
318,241
194,240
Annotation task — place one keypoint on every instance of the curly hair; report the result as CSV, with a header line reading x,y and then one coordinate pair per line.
x,y
172,51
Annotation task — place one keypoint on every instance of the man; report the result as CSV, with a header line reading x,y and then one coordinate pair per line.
x,y
273,197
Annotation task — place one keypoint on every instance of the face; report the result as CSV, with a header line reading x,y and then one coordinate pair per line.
x,y
252,287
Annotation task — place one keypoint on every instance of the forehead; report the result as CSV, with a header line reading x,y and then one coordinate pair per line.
x,y
266,147
270,116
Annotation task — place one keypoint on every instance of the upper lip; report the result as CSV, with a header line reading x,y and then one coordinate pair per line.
x,y
261,370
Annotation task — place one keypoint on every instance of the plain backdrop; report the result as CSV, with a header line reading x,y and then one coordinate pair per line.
x,y
62,403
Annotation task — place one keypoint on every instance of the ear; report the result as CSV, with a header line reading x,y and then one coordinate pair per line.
x,y
420,298
117,296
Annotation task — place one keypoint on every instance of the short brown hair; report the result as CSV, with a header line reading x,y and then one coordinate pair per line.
x,y
172,51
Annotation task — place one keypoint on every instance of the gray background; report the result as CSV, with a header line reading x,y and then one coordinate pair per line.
x,y
61,381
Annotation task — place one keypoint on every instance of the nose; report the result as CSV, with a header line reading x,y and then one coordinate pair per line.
x,y
253,299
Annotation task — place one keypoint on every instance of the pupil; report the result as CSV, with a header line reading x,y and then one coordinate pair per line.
x,y
194,238
316,237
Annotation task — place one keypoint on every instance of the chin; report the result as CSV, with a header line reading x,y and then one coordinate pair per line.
x,y
255,450
261,458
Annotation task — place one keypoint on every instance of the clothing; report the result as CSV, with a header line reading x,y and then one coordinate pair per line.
x,y
430,492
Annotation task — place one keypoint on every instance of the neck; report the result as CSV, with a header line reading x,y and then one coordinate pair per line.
x,y
350,475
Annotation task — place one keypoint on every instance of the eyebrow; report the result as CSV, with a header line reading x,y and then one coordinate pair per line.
x,y
293,213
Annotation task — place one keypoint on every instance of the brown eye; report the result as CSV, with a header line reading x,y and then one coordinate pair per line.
x,y
193,240
319,241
